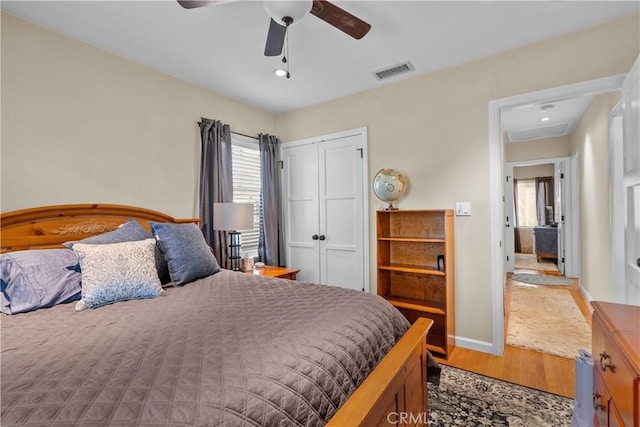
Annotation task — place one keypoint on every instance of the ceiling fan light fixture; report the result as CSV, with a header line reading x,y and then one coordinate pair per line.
x,y
280,9
280,72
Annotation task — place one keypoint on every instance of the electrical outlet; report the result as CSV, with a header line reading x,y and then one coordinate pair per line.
x,y
463,208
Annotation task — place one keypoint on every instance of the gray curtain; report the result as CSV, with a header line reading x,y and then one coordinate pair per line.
x,y
216,182
516,230
544,197
271,244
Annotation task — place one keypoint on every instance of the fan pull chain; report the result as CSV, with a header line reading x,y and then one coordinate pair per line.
x,y
286,49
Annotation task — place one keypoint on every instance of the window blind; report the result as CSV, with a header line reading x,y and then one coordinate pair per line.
x,y
246,186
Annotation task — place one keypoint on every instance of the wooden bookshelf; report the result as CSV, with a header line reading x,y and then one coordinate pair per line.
x,y
416,270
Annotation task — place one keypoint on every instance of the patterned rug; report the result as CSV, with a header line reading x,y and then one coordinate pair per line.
x,y
530,262
547,320
540,279
468,399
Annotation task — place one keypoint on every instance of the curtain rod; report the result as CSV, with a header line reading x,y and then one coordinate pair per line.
x,y
248,136
238,133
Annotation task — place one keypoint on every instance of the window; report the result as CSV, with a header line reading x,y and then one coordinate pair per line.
x,y
246,186
527,216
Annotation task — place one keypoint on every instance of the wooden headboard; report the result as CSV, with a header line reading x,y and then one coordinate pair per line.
x,y
49,226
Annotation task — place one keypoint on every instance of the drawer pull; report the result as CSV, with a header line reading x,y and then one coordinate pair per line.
x,y
597,406
603,365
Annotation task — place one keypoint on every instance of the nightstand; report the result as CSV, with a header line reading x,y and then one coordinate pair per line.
x,y
281,272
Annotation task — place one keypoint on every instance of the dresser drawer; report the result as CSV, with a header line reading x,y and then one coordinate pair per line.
x,y
601,400
617,376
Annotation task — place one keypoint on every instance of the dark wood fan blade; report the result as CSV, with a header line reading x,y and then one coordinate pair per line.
x,y
275,39
191,4
340,18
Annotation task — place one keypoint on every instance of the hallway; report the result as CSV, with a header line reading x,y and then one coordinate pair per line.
x,y
535,369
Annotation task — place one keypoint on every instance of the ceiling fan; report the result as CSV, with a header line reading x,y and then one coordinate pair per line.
x,y
286,13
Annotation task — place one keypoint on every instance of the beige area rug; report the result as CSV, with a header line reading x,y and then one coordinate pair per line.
x,y
547,320
530,262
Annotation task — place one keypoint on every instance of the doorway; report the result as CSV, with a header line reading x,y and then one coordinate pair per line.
x,y
497,180
530,215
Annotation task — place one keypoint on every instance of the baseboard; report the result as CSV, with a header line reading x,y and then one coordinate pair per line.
x,y
584,293
471,344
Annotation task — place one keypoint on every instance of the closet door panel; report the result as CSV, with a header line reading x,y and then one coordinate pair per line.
x,y
341,212
300,182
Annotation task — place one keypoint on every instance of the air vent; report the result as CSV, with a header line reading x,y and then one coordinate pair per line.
x,y
519,135
396,70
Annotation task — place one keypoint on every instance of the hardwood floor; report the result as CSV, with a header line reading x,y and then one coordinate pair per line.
x,y
541,371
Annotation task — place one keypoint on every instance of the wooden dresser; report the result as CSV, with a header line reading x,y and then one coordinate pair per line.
x,y
616,354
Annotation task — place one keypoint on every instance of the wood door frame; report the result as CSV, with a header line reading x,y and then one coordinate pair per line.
x,y
365,188
497,178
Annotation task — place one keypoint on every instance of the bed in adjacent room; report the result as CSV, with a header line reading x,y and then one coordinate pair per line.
x,y
226,348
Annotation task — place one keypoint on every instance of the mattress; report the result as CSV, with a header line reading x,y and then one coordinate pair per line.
x,y
232,349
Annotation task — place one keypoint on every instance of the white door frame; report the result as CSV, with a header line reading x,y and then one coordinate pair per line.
x,y
625,166
496,181
572,246
617,202
365,187
510,219
558,212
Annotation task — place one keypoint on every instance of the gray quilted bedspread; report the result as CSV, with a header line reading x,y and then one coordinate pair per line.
x,y
232,349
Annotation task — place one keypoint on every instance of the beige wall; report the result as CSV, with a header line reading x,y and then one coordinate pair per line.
x,y
534,171
80,125
434,128
591,140
546,148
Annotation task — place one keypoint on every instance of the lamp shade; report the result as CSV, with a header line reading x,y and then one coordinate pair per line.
x,y
233,216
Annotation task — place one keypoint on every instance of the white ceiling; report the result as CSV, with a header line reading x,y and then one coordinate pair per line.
x,y
220,47
524,124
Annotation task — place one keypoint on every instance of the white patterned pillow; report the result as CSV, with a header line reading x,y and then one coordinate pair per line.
x,y
117,272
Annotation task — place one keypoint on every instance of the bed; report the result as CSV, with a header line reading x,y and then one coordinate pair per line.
x,y
226,349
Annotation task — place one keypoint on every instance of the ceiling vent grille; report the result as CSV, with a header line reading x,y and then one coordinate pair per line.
x,y
405,67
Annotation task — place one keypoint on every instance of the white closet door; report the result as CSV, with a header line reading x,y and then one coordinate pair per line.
x,y
300,193
324,205
341,212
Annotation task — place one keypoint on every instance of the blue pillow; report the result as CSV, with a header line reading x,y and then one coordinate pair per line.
x,y
35,279
130,231
187,253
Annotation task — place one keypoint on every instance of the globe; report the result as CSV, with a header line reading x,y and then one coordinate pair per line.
x,y
389,185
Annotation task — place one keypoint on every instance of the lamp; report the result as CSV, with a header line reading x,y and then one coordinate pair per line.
x,y
232,217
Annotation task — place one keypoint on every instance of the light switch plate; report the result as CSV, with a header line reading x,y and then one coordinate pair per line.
x,y
463,208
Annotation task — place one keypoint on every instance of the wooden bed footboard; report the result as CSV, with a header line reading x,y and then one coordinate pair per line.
x,y
394,394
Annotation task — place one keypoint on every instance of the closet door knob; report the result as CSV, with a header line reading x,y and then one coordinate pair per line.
x,y
314,237
322,237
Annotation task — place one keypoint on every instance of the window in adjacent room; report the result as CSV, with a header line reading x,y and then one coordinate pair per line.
x,y
527,216
246,185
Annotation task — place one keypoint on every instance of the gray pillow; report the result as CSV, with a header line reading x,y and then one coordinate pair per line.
x,y
35,279
130,231
187,253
